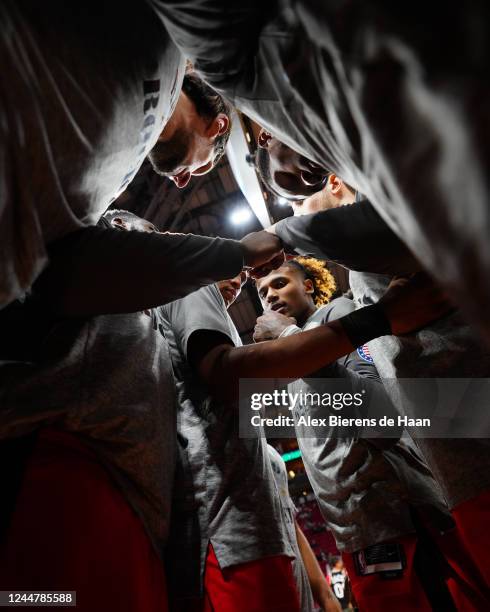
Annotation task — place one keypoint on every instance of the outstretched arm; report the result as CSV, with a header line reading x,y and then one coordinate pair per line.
x,y
221,365
101,270
354,236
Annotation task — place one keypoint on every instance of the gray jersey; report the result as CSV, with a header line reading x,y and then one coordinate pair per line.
x,y
447,348
364,493
109,381
83,101
228,481
288,514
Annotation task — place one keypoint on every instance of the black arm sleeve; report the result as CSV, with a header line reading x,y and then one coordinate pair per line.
x,y
106,271
354,236
202,342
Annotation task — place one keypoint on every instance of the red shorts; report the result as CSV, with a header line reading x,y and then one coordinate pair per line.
x,y
265,585
472,519
403,594
72,530
467,587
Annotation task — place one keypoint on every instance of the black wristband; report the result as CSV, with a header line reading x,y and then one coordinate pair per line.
x,y
365,324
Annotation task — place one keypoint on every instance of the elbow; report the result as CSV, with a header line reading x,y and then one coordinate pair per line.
x,y
220,378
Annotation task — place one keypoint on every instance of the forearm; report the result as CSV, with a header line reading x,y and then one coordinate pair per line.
x,y
103,270
294,356
291,357
353,236
321,590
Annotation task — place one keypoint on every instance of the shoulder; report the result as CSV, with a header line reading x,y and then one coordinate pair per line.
x,y
203,310
201,302
335,309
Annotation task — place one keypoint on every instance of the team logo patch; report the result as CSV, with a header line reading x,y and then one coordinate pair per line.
x,y
363,352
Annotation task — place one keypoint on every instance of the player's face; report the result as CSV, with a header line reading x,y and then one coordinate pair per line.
x,y
185,155
186,146
231,288
293,175
285,291
321,200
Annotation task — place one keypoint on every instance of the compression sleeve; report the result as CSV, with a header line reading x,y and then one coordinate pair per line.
x,y
353,236
106,271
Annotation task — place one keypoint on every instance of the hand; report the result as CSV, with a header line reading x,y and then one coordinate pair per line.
x,y
270,325
260,247
265,269
413,303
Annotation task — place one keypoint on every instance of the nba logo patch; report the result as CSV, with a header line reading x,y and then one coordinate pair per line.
x,y
363,352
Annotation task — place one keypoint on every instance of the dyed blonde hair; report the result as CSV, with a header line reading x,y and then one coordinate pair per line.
x,y
324,284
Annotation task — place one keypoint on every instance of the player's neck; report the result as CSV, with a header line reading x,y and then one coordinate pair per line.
x,y
303,318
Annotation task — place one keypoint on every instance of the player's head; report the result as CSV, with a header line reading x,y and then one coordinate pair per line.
x,y
123,219
297,288
230,289
335,193
285,172
336,562
194,138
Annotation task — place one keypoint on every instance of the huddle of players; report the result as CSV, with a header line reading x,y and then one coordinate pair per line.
x,y
339,228
380,503
107,391
98,403
228,527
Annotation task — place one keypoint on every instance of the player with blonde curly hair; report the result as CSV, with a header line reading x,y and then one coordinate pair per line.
x,y
363,499
297,289
323,280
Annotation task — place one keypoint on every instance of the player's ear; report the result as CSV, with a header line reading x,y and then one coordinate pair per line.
x,y
334,183
309,286
264,138
218,126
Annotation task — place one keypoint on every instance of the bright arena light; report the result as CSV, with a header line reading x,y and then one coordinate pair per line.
x,y
240,215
